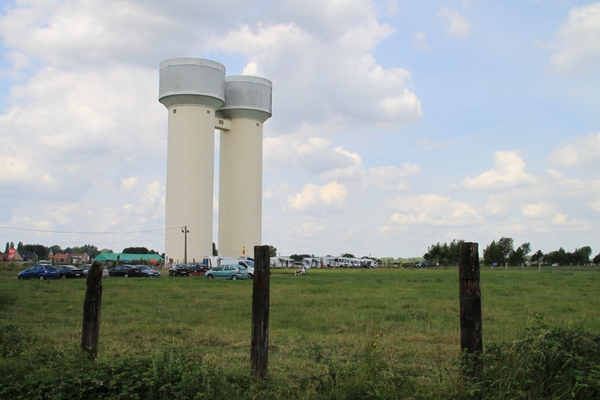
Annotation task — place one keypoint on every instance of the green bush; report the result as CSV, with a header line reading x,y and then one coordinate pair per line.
x,y
546,364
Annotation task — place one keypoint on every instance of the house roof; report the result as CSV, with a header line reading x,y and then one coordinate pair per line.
x,y
66,255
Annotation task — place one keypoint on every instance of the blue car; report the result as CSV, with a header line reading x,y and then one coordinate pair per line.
x,y
227,271
39,271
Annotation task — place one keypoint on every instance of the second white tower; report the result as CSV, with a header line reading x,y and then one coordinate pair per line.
x,y
248,104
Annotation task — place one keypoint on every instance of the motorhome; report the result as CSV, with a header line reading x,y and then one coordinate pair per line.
x,y
218,260
281,262
311,262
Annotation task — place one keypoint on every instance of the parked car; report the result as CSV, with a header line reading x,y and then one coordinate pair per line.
x,y
39,271
86,268
148,272
179,270
69,271
197,267
249,265
228,271
423,264
125,271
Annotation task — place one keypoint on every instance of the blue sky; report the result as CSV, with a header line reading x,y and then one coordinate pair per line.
x,y
396,124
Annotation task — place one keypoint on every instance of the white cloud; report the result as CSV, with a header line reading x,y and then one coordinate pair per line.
x,y
454,23
67,128
509,171
313,154
577,43
308,230
497,204
64,32
419,39
594,205
328,79
433,210
541,210
129,184
319,200
585,152
319,157
390,177
277,192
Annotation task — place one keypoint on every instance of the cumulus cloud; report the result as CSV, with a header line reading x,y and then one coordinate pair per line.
x,y
594,205
60,133
508,171
334,163
419,39
129,184
277,192
316,155
576,46
496,205
308,230
433,210
454,23
319,200
328,78
585,152
389,177
539,210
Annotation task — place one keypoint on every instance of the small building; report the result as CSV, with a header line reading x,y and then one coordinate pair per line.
x,y
79,258
61,258
26,255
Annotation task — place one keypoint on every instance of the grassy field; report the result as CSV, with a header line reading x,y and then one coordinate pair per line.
x,y
324,320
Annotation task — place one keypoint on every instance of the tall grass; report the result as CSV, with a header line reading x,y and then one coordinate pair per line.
x,y
333,333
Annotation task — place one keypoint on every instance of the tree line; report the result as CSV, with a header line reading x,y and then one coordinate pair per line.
x,y
43,252
503,252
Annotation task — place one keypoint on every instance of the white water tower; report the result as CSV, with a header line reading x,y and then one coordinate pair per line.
x,y
199,99
192,89
247,106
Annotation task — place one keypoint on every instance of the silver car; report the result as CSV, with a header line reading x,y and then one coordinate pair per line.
x,y
86,268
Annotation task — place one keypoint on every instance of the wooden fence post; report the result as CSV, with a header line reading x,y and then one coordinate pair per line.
x,y
470,304
90,334
259,346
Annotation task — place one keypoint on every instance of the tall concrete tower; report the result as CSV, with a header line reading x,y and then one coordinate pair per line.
x,y
191,89
248,104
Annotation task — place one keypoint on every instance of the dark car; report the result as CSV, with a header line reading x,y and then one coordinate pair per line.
x,y
197,267
423,264
179,270
39,271
69,271
148,272
125,271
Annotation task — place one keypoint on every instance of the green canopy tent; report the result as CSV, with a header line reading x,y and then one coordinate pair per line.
x,y
116,257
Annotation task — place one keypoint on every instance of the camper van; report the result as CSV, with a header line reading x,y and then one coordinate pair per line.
x,y
215,261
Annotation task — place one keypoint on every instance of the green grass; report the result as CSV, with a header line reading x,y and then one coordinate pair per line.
x,y
325,321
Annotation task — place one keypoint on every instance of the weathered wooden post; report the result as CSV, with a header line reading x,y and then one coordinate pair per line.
x,y
259,346
90,334
470,304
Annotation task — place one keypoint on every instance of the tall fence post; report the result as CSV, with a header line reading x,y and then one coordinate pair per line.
x,y
259,346
470,304
90,333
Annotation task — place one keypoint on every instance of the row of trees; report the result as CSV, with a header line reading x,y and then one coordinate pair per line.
x,y
43,252
503,252
444,254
